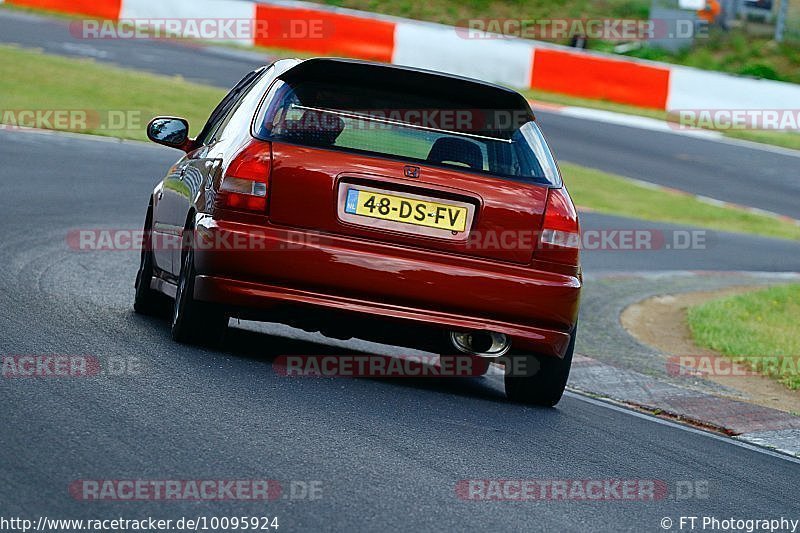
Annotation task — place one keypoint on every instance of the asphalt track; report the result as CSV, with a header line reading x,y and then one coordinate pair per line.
x,y
388,454
734,172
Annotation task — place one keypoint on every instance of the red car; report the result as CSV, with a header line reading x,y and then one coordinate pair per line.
x,y
373,201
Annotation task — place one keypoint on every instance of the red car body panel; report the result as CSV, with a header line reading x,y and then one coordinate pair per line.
x,y
305,181
536,308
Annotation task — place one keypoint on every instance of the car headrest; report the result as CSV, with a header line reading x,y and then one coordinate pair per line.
x,y
317,128
455,150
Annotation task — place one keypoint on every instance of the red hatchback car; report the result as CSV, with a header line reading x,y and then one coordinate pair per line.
x,y
373,201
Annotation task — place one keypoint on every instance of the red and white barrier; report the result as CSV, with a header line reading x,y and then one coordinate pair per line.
x,y
691,88
108,9
600,77
428,46
340,33
514,62
189,9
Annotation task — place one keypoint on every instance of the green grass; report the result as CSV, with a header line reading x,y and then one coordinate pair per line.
x,y
735,52
616,195
563,99
749,327
775,138
358,134
30,80
178,186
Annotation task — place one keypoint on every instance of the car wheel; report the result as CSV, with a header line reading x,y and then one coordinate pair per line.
x,y
195,322
146,300
542,380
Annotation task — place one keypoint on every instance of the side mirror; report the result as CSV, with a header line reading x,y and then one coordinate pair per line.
x,y
170,131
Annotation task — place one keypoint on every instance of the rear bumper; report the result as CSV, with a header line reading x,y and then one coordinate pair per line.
x,y
537,309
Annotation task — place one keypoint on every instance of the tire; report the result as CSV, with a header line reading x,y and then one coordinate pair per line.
x,y
195,322
545,380
146,301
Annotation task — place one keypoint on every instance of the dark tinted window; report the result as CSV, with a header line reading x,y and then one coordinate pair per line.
x,y
412,127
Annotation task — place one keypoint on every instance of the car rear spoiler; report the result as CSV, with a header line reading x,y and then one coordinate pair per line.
x,y
460,91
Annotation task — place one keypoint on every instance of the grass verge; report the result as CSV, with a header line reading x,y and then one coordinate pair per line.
x,y
94,98
616,195
34,81
750,327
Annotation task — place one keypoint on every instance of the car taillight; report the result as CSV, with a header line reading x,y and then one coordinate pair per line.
x,y
560,239
244,185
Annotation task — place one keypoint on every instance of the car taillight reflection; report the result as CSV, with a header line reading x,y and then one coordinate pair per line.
x,y
560,240
244,185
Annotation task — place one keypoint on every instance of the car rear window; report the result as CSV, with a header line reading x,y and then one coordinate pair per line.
x,y
377,121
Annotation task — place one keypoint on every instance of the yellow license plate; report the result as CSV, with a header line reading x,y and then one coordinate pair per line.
x,y
407,210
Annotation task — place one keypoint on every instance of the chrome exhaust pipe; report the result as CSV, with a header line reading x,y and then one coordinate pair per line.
x,y
480,343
